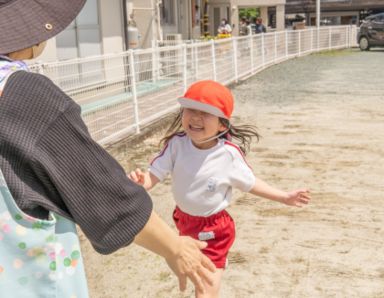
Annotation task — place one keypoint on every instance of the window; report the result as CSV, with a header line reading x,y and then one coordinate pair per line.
x,y
380,18
167,11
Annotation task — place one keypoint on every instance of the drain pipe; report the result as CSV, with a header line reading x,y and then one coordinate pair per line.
x,y
125,25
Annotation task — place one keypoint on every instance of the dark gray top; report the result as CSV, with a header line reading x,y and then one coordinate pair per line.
x,y
50,162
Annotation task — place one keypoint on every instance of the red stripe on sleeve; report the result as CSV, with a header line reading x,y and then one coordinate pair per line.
x,y
160,154
240,151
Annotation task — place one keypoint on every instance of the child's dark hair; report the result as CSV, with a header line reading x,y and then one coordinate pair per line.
x,y
241,133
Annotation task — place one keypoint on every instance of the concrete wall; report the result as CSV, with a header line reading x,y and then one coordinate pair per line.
x,y
111,32
111,26
112,36
49,54
280,17
144,16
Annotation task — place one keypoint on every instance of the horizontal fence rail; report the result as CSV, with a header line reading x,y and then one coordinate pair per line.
x,y
120,94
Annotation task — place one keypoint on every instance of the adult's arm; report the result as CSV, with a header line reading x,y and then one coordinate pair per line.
x,y
83,179
181,253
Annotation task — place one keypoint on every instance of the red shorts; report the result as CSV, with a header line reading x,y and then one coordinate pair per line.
x,y
218,230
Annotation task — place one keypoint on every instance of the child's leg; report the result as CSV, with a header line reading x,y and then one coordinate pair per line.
x,y
218,230
214,290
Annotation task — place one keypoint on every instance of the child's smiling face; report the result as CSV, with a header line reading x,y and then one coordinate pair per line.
x,y
200,126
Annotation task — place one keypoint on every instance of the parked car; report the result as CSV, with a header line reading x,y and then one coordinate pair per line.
x,y
371,32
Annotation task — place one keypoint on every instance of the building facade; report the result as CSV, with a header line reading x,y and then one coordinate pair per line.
x,y
97,30
335,12
271,11
102,26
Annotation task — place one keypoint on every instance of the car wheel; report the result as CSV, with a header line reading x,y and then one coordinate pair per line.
x,y
364,44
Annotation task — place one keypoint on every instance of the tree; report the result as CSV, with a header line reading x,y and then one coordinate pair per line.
x,y
249,13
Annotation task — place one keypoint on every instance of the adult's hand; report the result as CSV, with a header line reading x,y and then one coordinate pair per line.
x,y
183,254
189,262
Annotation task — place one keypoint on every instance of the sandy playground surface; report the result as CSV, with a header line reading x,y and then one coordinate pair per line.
x,y
321,118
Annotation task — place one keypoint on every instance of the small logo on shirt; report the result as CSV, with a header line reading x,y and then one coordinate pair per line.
x,y
212,182
204,236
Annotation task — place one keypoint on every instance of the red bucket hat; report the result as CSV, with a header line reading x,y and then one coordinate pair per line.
x,y
209,96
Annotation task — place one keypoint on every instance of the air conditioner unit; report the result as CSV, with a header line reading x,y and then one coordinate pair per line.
x,y
177,38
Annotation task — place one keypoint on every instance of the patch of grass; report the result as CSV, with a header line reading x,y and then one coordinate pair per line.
x,y
335,53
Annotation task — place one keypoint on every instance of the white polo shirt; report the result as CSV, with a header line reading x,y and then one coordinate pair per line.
x,y
202,180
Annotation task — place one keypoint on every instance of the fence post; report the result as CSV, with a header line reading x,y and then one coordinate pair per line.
x,y
213,59
251,50
196,61
286,44
299,43
185,68
318,38
311,48
347,43
40,67
134,90
155,61
330,38
354,34
235,64
275,59
263,49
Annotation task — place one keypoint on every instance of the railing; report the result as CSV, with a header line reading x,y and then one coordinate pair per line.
x,y
121,93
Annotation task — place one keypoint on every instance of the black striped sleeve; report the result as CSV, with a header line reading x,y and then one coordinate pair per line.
x,y
92,186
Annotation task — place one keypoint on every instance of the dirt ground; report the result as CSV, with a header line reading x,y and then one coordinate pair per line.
x,y
321,121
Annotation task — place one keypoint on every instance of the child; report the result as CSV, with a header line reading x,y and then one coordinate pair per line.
x,y
224,27
205,165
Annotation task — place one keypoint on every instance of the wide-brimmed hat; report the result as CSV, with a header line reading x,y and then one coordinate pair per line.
x,y
25,23
209,96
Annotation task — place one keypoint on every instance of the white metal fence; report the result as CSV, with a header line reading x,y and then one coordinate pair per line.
x,y
121,93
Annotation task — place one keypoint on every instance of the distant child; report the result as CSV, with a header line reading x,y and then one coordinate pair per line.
x,y
224,27
205,165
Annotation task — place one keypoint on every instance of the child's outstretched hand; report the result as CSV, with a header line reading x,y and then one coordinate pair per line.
x,y
137,176
297,198
145,179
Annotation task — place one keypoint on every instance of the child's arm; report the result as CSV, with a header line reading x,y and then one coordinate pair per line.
x,y
296,198
146,180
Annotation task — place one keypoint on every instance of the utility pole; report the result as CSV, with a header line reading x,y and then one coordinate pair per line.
x,y
318,13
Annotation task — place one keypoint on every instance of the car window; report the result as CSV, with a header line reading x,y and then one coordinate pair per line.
x,y
374,18
378,19
370,19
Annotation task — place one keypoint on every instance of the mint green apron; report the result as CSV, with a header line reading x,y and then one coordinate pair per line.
x,y
38,258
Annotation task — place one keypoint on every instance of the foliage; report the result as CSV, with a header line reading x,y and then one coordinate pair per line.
x,y
208,37
249,13
218,36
